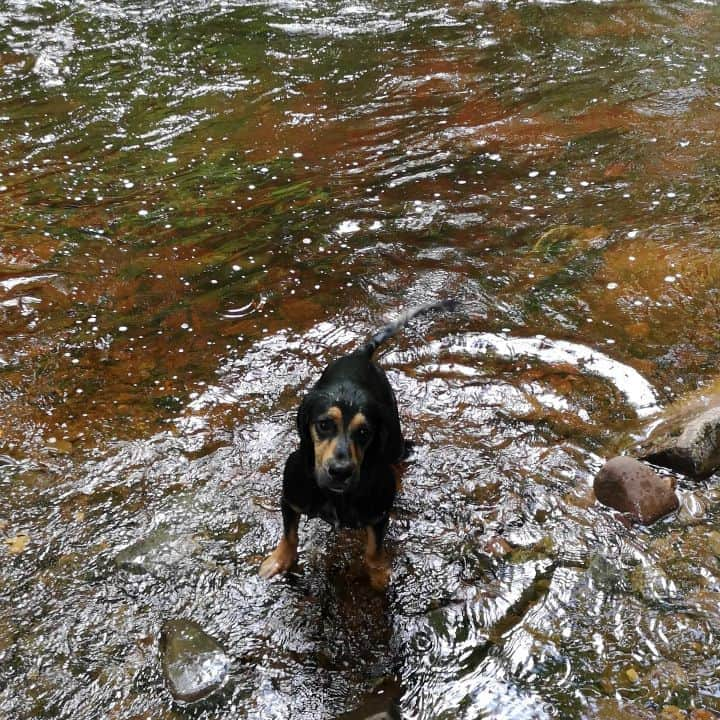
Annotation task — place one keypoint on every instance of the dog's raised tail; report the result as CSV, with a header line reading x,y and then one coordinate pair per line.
x,y
400,322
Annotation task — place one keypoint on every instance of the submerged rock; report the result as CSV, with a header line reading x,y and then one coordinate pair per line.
x,y
627,485
672,712
606,575
382,704
618,709
693,509
667,676
568,239
690,445
161,552
194,663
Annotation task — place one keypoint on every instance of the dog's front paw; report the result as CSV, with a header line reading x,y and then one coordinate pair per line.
x,y
378,568
280,560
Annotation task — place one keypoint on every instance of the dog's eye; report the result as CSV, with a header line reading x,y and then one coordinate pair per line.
x,y
363,434
325,426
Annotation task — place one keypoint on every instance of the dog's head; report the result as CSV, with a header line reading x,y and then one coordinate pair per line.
x,y
339,432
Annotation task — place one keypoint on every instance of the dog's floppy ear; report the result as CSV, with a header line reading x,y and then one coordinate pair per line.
x,y
304,417
388,434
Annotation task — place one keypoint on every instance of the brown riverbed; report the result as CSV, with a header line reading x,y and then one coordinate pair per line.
x,y
203,203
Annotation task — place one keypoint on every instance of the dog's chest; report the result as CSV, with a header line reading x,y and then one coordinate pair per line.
x,y
338,513
342,512
329,513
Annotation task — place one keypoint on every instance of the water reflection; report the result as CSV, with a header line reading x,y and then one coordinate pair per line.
x,y
202,204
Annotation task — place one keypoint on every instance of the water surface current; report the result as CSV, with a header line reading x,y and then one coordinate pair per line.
x,y
204,202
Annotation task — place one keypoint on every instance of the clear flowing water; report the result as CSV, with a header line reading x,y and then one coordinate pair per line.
x,y
202,203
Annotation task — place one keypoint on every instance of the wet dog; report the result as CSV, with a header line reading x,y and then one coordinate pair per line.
x,y
349,438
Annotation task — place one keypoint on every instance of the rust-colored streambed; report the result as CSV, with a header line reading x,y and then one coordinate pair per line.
x,y
202,203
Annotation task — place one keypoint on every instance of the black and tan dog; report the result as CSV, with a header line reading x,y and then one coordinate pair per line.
x,y
349,438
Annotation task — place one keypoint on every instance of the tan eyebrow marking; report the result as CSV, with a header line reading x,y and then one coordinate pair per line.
x,y
357,422
334,413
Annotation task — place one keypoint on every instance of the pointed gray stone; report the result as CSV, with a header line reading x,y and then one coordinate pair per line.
x,y
194,663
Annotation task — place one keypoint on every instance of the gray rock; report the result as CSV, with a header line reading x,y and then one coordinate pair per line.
x,y
193,663
690,445
160,553
606,575
629,486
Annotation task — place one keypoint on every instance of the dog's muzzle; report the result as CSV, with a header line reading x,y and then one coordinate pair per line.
x,y
337,477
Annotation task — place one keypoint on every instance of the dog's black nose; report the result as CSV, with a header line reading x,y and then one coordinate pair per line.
x,y
340,471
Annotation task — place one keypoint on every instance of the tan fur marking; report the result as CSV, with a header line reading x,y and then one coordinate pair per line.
x,y
357,422
335,413
371,549
282,558
377,562
356,452
325,447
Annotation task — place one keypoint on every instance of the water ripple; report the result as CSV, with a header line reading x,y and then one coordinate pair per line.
x,y
639,393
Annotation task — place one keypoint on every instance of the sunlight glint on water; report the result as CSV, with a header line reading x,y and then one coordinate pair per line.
x,y
203,203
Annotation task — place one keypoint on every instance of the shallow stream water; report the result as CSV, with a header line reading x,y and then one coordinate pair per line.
x,y
202,203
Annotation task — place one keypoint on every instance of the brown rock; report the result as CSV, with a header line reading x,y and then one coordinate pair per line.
x,y
627,485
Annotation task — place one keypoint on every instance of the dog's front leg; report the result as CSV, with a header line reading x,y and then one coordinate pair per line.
x,y
376,559
283,557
